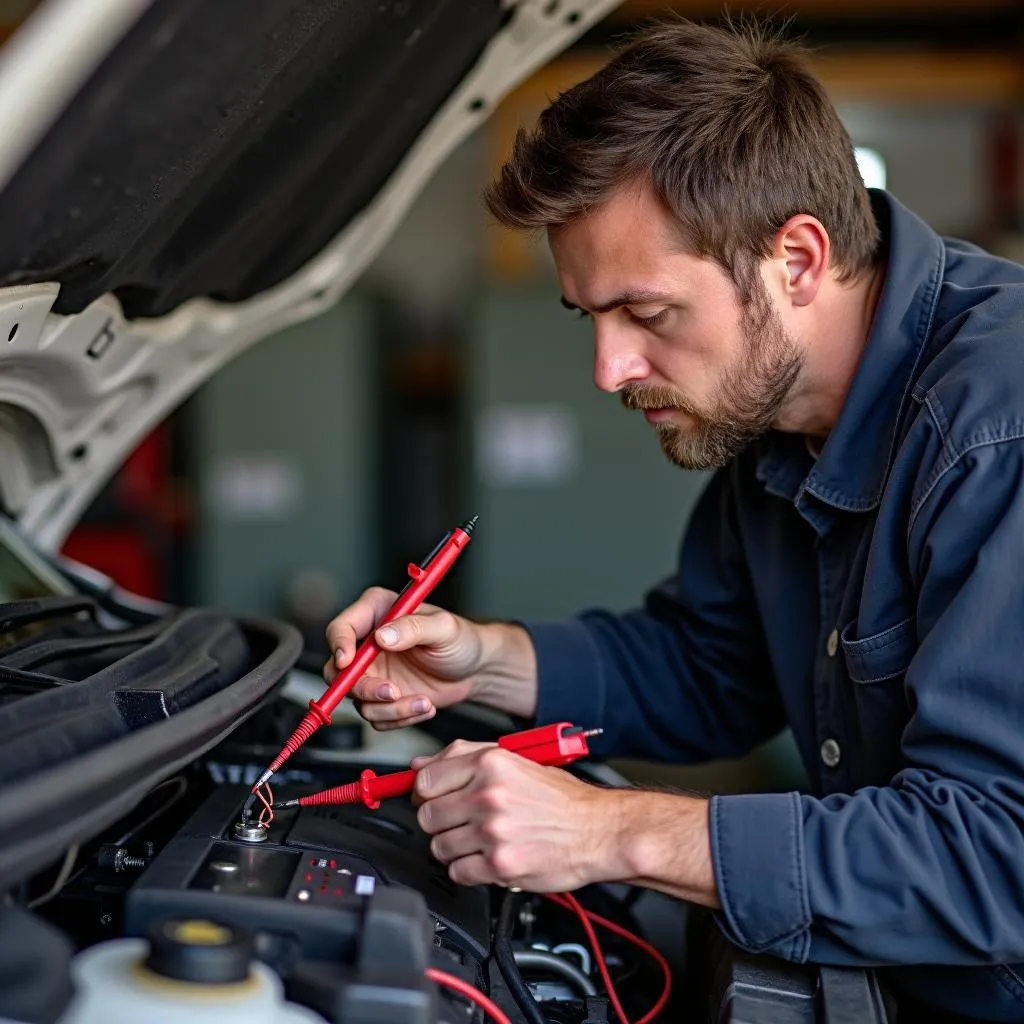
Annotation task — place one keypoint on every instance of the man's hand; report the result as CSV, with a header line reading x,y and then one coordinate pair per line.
x,y
498,818
431,659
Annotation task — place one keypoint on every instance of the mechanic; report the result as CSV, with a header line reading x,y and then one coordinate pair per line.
x,y
854,569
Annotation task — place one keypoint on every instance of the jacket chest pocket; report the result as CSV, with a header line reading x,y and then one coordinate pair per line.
x,y
876,665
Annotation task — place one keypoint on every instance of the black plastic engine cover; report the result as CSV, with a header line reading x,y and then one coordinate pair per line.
x,y
93,715
304,889
399,851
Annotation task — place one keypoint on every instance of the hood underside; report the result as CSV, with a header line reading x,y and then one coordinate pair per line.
x,y
185,177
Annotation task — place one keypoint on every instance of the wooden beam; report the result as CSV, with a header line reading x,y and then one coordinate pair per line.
x,y
922,76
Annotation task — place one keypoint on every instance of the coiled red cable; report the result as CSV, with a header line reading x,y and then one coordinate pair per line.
x,y
571,903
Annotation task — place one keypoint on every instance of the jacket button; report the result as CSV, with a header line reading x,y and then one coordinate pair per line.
x,y
832,644
830,753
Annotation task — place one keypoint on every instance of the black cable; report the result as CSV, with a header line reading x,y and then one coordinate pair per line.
x,y
507,964
554,964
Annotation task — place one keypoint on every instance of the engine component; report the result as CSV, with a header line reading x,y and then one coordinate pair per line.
x,y
304,888
506,963
118,859
527,959
248,831
195,970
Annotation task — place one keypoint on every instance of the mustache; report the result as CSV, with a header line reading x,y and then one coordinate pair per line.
x,y
637,395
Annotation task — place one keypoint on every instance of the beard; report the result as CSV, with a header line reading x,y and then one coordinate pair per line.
x,y
747,400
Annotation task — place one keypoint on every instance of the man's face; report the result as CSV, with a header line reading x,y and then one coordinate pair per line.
x,y
671,334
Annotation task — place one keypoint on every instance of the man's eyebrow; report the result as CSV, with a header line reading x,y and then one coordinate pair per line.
x,y
637,297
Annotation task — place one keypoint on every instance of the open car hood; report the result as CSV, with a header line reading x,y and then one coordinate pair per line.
x,y
181,178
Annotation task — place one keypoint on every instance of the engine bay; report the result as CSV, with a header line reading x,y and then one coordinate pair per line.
x,y
136,888
344,906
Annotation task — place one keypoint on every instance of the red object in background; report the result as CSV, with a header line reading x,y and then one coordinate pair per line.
x,y
126,533
121,554
1005,174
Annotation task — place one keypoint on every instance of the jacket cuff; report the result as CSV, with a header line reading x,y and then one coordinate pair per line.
x,y
570,678
757,849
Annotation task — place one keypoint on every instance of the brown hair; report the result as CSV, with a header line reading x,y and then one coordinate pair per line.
x,y
728,125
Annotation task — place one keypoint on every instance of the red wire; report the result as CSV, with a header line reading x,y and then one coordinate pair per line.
x,y
586,916
474,995
267,802
571,902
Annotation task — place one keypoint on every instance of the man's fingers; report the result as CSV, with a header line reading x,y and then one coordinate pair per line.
x,y
457,748
405,709
375,688
345,631
427,627
448,774
454,843
475,869
443,814
384,724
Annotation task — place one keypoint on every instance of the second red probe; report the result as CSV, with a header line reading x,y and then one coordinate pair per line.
x,y
553,745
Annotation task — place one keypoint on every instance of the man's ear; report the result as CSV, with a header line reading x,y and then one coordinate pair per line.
x,y
802,248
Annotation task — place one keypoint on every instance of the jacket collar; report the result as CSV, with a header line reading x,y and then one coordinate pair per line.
x,y
852,467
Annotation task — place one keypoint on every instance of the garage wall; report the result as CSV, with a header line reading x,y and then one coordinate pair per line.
x,y
578,506
285,465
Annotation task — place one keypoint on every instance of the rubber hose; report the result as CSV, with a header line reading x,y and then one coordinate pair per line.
x,y
527,958
507,964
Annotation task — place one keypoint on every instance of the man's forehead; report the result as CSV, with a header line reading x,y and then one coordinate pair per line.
x,y
628,217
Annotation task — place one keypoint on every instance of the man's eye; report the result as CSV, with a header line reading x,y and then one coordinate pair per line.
x,y
650,321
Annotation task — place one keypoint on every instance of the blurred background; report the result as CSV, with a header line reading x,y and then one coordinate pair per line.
x,y
451,382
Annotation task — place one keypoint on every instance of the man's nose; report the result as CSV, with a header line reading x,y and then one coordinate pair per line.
x,y
617,360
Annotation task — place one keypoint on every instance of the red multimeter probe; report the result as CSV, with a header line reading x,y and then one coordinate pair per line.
x,y
423,578
554,745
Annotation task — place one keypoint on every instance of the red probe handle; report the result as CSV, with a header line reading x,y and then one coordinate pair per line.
x,y
370,790
547,745
423,580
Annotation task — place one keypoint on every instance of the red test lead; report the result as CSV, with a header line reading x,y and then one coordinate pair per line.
x,y
552,745
423,578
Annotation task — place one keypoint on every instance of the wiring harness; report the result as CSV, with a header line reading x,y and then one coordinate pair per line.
x,y
508,962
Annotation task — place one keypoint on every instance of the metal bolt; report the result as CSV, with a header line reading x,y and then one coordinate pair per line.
x,y
118,858
250,832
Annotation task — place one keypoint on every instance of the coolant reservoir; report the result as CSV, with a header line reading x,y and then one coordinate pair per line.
x,y
189,972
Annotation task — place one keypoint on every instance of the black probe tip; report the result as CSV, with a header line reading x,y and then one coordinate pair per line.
x,y
281,804
467,526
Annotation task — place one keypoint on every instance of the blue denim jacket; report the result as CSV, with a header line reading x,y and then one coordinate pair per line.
x,y
873,599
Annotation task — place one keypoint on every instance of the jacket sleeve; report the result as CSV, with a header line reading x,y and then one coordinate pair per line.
x,y
686,677
926,869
